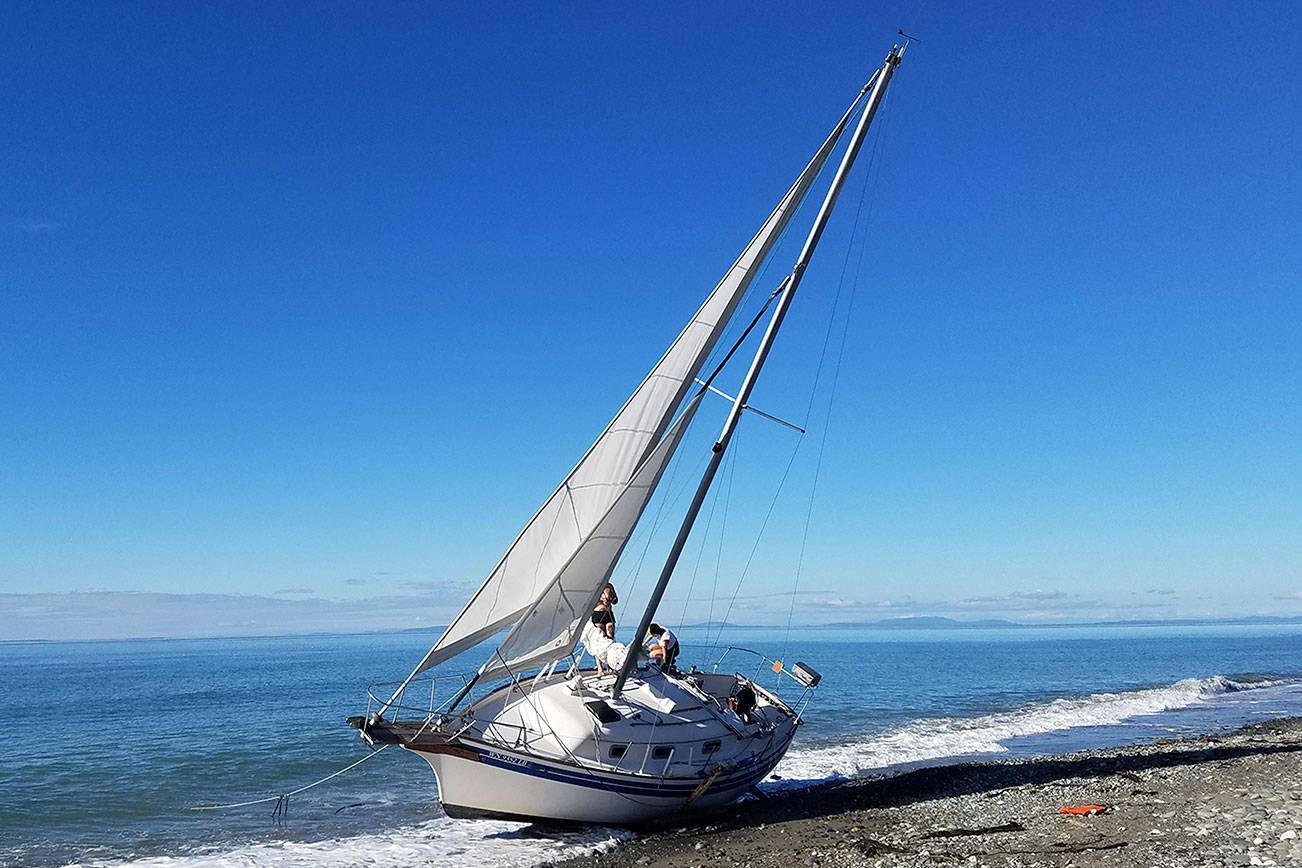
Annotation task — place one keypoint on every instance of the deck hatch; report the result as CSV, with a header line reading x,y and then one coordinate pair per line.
x,y
602,711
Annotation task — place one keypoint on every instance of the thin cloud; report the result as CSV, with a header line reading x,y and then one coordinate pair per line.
x,y
788,594
452,587
120,615
1037,605
1031,601
31,225
872,605
1017,597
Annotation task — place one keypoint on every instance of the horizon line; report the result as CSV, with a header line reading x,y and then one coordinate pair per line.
x,y
905,622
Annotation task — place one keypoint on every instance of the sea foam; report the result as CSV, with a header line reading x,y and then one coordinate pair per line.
x,y
442,842
445,842
949,738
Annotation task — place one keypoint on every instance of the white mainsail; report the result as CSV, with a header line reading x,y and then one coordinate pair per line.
x,y
550,628
571,516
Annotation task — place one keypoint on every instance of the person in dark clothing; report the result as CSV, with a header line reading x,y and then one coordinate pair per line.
x,y
603,616
605,620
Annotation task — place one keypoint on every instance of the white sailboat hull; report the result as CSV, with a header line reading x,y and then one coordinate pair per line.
x,y
484,782
562,749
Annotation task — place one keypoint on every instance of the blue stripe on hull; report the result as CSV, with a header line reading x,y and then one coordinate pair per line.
x,y
743,778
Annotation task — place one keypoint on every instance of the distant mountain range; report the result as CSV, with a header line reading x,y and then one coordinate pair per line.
x,y
926,622
917,622
936,622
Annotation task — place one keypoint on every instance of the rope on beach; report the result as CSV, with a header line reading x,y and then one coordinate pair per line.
x,y
282,800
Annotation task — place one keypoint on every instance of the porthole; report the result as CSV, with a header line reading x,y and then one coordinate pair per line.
x,y
618,750
662,753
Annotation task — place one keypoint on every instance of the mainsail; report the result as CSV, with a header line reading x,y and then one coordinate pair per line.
x,y
606,474
550,628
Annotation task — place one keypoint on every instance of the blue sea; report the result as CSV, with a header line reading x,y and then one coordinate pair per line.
x,y
110,746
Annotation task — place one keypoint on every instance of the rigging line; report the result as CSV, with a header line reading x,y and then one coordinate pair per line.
x,y
800,204
574,760
840,286
700,552
730,470
755,547
528,698
870,180
813,392
527,695
718,559
785,473
280,799
670,497
707,383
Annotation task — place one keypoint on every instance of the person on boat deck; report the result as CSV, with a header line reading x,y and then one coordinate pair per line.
x,y
662,646
603,617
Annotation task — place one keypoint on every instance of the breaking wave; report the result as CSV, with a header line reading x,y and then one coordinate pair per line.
x,y
441,842
446,842
949,738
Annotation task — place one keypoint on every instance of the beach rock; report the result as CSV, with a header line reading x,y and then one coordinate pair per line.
x,y
1224,801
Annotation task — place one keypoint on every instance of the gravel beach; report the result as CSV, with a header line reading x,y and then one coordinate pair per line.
x,y
1227,799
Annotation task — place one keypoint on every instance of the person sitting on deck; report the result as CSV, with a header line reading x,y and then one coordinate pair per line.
x,y
662,646
599,636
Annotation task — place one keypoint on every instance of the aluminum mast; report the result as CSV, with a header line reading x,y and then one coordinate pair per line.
x,y
791,284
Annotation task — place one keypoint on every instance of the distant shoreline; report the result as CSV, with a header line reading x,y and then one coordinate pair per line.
x,y
890,624
929,623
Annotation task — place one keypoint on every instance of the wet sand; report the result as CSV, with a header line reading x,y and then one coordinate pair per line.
x,y
1227,799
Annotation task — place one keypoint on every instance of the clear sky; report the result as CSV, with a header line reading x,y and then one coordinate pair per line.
x,y
306,309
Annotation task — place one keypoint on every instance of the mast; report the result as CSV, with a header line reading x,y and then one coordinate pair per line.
x,y
789,287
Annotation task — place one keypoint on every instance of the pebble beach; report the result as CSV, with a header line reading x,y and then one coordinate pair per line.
x,y
1221,800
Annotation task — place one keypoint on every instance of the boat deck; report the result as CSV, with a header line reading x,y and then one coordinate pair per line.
x,y
400,732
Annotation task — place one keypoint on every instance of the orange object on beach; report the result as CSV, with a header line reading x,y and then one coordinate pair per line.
x,y
1087,810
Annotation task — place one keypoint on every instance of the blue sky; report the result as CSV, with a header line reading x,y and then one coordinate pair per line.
x,y
307,310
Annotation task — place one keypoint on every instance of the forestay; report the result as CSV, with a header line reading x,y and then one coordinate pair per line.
x,y
552,539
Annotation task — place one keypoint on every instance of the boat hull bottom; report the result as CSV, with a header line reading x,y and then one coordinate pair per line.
x,y
475,784
461,812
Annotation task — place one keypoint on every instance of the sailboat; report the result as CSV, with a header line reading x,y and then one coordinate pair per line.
x,y
549,739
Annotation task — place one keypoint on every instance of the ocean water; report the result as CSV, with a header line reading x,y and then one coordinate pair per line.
x,y
111,745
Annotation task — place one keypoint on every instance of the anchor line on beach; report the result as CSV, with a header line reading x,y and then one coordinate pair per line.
x,y
282,800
